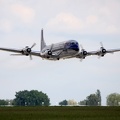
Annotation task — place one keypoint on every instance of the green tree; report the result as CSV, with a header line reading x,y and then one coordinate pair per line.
x,y
31,98
3,102
84,102
113,99
92,99
98,95
64,102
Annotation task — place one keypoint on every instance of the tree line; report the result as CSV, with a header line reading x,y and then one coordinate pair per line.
x,y
112,99
28,98
38,98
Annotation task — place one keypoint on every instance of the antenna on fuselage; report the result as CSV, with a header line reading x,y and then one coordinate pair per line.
x,y
43,44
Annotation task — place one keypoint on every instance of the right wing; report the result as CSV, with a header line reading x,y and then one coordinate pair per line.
x,y
26,51
11,50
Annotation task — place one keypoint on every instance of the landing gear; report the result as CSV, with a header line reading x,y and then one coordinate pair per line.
x,y
48,57
58,58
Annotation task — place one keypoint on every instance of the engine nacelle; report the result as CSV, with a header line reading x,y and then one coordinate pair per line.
x,y
49,52
26,51
102,52
46,54
84,53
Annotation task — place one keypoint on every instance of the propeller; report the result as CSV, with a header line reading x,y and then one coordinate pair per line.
x,y
81,47
101,44
33,45
29,50
26,51
102,51
83,52
50,51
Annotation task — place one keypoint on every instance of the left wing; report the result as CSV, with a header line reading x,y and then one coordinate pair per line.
x,y
103,52
100,52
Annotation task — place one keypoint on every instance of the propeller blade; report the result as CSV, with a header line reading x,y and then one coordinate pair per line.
x,y
51,47
30,57
99,57
16,54
81,47
33,45
101,44
81,60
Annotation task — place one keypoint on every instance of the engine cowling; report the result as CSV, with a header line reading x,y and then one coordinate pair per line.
x,y
84,53
46,54
103,51
49,52
26,51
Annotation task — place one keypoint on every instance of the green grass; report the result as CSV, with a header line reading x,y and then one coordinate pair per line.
x,y
59,113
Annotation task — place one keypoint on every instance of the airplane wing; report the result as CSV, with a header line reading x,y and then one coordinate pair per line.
x,y
35,53
100,52
25,51
12,50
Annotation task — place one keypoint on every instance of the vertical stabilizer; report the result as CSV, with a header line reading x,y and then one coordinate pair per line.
x,y
43,44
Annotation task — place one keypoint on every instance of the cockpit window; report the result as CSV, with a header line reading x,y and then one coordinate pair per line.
x,y
76,43
72,43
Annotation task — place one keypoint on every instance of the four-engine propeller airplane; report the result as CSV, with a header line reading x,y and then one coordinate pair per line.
x,y
62,50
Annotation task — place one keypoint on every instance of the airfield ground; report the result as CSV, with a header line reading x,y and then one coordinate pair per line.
x,y
60,113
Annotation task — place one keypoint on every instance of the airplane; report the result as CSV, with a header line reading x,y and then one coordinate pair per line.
x,y
63,50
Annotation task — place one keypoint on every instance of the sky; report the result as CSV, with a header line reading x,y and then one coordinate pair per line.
x,y
87,21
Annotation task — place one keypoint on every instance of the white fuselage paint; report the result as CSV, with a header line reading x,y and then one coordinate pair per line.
x,y
59,51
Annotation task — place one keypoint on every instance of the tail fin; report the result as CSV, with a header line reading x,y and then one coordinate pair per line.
x,y
43,44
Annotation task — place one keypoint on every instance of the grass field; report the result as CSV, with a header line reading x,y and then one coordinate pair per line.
x,y
59,113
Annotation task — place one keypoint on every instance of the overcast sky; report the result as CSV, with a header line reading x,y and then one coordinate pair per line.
x,y
87,21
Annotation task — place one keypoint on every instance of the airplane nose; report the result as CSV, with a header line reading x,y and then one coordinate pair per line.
x,y
76,48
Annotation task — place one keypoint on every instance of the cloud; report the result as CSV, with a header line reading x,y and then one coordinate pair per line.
x,y
26,14
111,29
91,19
65,21
6,25
90,24
102,18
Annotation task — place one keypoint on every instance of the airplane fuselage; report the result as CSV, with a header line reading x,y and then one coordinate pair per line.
x,y
67,49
